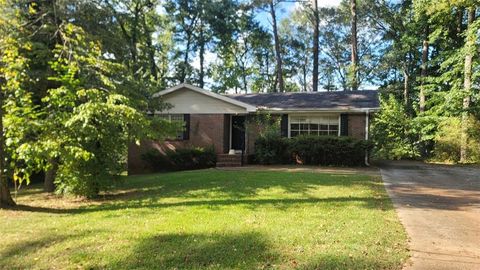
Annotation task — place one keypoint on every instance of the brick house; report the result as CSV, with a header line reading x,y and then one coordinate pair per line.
x,y
216,120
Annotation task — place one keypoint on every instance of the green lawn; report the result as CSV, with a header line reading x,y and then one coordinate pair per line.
x,y
210,219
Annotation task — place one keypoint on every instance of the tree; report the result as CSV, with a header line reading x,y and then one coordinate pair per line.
x,y
316,30
424,67
90,117
297,42
471,38
15,102
278,54
354,45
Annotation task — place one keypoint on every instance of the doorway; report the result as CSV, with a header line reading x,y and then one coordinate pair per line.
x,y
238,132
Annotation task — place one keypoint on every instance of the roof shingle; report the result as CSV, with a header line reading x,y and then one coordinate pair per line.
x,y
338,100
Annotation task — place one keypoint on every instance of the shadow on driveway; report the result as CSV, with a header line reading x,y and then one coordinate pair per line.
x,y
439,205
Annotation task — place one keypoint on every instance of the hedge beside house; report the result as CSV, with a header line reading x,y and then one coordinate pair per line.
x,y
311,150
181,159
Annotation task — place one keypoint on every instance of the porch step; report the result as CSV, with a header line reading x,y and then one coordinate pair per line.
x,y
226,160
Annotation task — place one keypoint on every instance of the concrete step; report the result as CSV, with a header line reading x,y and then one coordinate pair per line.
x,y
229,164
226,160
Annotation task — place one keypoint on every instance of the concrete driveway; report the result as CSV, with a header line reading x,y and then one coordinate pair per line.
x,y
439,206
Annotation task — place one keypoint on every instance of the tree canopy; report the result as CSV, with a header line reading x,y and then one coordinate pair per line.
x,y
72,73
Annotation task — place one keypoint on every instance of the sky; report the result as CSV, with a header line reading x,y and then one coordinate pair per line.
x,y
285,8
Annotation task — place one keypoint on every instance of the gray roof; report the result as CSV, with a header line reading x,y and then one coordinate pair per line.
x,y
337,100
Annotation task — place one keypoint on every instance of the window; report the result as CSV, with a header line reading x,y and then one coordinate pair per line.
x,y
183,121
314,125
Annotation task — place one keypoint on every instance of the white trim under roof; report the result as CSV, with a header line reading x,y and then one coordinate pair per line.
x,y
247,107
312,110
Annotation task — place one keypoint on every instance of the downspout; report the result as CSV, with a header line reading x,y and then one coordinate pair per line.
x,y
367,120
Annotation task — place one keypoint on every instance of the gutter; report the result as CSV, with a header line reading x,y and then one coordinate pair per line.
x,y
367,135
311,110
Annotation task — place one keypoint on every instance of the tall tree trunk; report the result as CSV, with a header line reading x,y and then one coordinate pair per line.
x,y
244,78
279,69
5,196
424,69
467,84
183,73
50,174
354,45
151,50
459,27
315,46
202,55
267,70
406,83
304,73
134,39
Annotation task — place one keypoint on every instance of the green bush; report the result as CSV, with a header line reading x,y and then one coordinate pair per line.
x,y
311,150
156,161
327,150
193,158
181,159
272,149
393,132
448,140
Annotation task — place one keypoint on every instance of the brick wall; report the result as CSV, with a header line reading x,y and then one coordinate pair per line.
x,y
214,129
205,130
356,126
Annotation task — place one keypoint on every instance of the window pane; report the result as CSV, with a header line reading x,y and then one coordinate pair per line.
x,y
333,127
176,118
322,125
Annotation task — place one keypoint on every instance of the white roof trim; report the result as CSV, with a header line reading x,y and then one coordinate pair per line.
x,y
281,110
246,106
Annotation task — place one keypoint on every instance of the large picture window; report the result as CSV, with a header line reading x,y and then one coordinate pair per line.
x,y
182,122
314,125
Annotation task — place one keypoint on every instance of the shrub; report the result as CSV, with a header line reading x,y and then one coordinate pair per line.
x,y
325,150
181,159
193,158
393,132
157,161
272,149
448,140
311,150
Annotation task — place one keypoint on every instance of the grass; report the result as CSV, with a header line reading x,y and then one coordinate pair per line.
x,y
210,219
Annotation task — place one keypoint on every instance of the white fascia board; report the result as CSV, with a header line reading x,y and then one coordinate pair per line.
x,y
312,110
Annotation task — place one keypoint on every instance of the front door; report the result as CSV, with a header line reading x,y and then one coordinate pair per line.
x,y
238,132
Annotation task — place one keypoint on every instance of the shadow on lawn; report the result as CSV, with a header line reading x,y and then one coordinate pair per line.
x,y
193,184
200,251
213,189
282,204
343,261
9,255
234,251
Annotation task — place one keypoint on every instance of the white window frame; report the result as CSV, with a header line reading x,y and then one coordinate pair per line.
x,y
310,116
